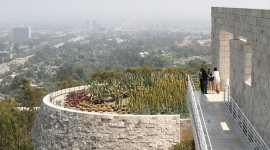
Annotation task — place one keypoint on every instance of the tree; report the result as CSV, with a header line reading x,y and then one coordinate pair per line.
x,y
79,72
15,126
31,97
67,83
102,75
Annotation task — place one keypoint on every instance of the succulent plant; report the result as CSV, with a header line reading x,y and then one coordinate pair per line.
x,y
151,92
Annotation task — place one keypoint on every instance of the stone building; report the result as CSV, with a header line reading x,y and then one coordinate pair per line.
x,y
241,52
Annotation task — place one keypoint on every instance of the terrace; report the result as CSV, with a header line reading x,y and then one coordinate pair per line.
x,y
218,123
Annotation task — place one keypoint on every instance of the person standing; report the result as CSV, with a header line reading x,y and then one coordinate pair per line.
x,y
200,78
216,79
204,82
211,79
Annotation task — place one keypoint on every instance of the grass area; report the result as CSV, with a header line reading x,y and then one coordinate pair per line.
x,y
186,144
184,115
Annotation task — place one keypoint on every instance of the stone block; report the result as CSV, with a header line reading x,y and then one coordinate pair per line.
x,y
267,59
227,70
224,65
247,27
224,43
227,48
256,29
122,136
253,20
265,13
268,50
235,11
231,23
220,21
227,37
256,13
226,60
226,22
223,32
237,25
264,58
227,54
248,70
268,43
248,12
265,31
222,54
259,21
266,22
263,39
237,31
221,37
242,12
248,56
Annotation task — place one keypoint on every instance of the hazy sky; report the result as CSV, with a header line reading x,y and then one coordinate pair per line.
x,y
19,10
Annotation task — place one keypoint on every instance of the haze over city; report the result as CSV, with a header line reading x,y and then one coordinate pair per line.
x,y
134,74
71,10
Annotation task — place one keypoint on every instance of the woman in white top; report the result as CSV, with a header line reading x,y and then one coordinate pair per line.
x,y
216,79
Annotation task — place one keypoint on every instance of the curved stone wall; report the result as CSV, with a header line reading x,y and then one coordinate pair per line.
x,y
61,128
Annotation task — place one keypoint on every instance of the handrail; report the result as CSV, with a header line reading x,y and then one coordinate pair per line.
x,y
252,136
57,93
202,140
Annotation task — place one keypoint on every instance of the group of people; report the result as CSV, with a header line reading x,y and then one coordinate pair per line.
x,y
213,78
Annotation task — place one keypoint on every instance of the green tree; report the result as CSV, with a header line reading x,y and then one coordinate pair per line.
x,y
67,83
31,96
15,126
102,75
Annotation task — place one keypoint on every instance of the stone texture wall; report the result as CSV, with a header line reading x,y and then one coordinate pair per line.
x,y
61,128
185,128
249,59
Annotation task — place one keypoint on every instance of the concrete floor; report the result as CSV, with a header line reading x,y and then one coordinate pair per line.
x,y
222,129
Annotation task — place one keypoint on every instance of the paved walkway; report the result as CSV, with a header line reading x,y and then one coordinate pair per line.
x,y
222,129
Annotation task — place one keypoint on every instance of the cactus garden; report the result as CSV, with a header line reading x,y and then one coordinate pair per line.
x,y
138,90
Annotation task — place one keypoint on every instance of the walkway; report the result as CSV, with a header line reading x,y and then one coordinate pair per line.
x,y
223,131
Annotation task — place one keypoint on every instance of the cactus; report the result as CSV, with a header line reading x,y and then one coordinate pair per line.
x,y
149,91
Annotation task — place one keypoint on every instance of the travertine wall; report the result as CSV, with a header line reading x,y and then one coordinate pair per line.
x,y
61,128
249,60
185,128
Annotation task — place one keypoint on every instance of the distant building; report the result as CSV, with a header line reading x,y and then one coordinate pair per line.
x,y
97,26
143,54
21,33
87,25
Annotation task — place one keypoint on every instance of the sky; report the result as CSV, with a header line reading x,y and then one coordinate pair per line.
x,y
31,10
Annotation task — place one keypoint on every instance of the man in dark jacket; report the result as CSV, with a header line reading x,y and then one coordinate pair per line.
x,y
204,82
200,77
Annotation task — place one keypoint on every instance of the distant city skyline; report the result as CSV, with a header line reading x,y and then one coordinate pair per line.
x,y
69,10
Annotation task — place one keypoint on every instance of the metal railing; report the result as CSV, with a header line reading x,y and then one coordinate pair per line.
x,y
252,136
57,93
201,136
